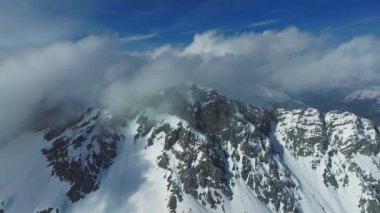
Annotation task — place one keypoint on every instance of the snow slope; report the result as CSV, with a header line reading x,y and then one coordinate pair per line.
x,y
205,153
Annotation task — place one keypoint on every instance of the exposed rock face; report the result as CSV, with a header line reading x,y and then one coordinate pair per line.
x,y
210,145
49,210
81,150
340,144
215,142
304,131
351,134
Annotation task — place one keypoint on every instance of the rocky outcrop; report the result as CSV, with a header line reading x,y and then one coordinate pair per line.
x,y
217,141
79,151
342,145
208,144
49,210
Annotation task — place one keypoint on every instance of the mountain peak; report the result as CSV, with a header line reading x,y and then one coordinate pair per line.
x,y
191,149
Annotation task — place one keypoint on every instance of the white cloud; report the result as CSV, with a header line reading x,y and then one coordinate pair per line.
x,y
49,76
370,94
354,63
250,66
264,23
135,38
287,60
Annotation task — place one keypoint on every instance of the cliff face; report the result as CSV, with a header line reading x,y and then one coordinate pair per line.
x,y
342,151
194,150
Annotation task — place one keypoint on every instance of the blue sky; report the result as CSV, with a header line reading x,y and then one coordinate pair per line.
x,y
176,22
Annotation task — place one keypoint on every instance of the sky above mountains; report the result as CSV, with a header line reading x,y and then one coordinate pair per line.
x,y
159,22
115,53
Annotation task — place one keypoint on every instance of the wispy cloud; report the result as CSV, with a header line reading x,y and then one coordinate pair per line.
x,y
135,38
368,21
264,23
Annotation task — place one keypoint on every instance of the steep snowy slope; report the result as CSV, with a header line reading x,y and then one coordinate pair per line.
x,y
335,157
193,150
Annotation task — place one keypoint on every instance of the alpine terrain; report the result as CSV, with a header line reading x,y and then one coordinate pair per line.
x,y
191,149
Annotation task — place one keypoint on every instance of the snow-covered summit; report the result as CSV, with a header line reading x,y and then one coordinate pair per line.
x,y
192,149
372,93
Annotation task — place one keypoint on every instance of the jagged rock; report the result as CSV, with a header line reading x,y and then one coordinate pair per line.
x,y
341,141
203,162
305,131
163,161
81,151
172,204
49,210
207,147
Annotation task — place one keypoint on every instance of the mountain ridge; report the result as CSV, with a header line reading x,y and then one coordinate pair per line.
x,y
204,152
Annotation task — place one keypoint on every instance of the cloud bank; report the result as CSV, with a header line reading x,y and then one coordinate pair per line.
x,y
266,66
34,80
253,66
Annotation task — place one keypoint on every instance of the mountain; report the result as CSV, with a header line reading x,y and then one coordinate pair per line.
x,y
366,102
191,149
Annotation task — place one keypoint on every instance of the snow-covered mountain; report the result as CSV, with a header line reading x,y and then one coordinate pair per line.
x,y
372,93
191,149
366,102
